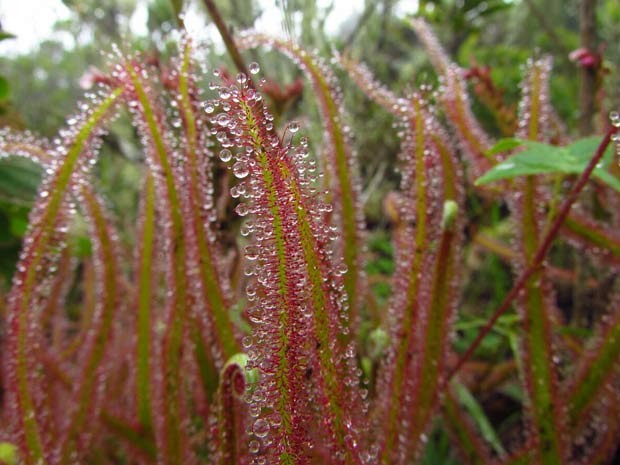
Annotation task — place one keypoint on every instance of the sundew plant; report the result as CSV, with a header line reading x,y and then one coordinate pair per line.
x,y
167,352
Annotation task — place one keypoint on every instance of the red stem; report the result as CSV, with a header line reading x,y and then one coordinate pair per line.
x,y
540,253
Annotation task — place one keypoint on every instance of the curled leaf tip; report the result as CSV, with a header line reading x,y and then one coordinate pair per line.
x,y
450,210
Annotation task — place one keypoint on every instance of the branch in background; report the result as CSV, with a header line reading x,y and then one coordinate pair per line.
x,y
555,41
226,37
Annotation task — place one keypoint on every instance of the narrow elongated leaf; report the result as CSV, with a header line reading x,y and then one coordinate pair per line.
x,y
145,274
423,303
339,164
455,102
405,306
80,143
214,288
87,392
588,234
149,120
298,291
545,409
467,440
374,90
477,413
596,372
132,434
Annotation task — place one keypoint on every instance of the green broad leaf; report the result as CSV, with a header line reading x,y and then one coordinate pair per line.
x,y
19,180
6,35
504,145
4,88
477,414
538,158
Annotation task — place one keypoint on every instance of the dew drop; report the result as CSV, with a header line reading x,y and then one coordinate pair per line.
x,y
225,155
254,67
240,169
242,209
242,78
293,127
246,228
261,428
223,119
251,252
254,446
614,116
341,269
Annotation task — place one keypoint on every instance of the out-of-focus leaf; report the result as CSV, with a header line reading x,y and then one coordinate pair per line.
x,y
6,35
19,180
539,158
177,6
504,145
4,88
18,226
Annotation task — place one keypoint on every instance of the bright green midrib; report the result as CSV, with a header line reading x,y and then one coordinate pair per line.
x,y
172,365
31,430
88,376
537,337
321,318
143,376
348,196
283,406
449,178
410,314
224,332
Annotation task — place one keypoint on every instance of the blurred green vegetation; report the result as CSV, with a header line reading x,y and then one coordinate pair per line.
x,y
39,89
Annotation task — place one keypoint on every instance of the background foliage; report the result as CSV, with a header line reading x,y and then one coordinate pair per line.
x,y
495,38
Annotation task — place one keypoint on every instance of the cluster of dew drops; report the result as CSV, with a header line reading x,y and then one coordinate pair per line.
x,y
260,426
239,167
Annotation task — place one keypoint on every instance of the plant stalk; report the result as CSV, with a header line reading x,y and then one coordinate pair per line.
x,y
541,253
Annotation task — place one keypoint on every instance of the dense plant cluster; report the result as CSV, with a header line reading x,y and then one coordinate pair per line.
x,y
169,353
